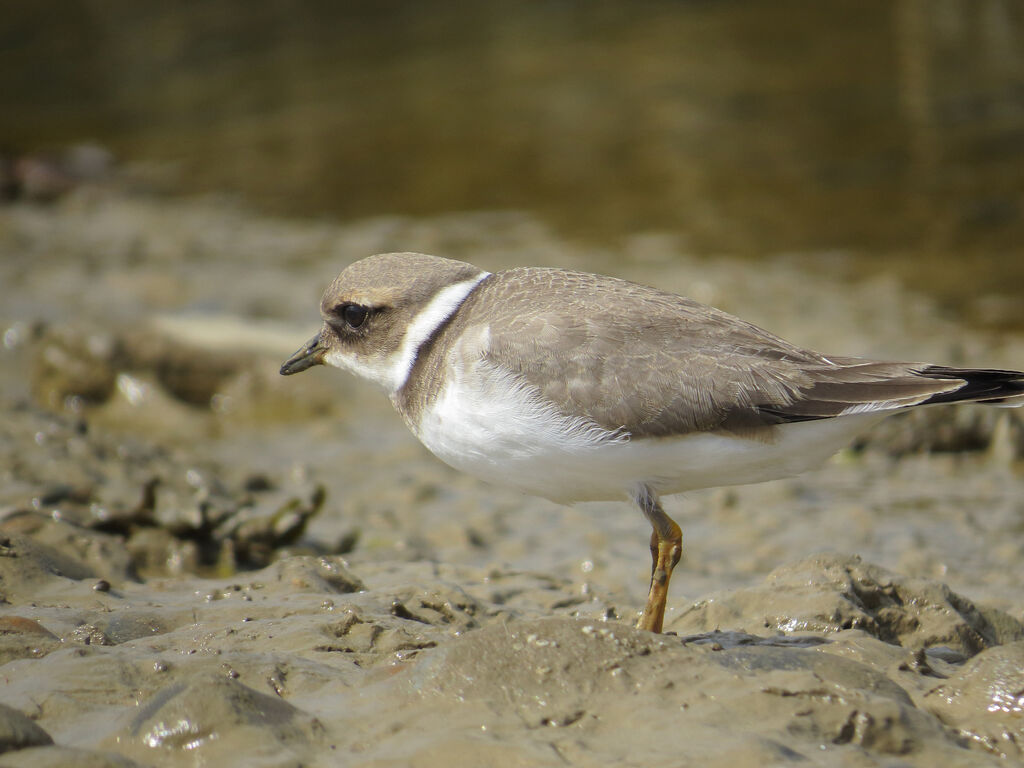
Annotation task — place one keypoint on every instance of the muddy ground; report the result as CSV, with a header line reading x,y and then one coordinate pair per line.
x,y
202,562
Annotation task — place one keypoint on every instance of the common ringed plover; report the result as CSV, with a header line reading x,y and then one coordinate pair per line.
x,y
579,387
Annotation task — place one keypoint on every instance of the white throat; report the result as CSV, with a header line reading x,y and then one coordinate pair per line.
x,y
392,371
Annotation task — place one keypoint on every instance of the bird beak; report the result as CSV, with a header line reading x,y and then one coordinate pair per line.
x,y
311,353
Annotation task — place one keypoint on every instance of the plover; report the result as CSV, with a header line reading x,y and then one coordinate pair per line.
x,y
579,387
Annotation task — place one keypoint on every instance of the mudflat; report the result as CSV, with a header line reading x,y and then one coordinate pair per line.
x,y
202,562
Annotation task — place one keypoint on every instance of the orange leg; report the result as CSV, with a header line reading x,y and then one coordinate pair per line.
x,y
666,549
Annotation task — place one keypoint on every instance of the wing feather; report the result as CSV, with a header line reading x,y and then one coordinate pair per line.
x,y
656,364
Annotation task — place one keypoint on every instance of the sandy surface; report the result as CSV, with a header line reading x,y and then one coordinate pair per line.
x,y
204,563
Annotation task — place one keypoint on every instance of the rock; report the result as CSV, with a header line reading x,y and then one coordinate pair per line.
x,y
986,700
830,593
208,717
69,362
313,574
18,732
22,638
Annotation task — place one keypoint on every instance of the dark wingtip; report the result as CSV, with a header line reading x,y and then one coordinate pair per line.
x,y
981,385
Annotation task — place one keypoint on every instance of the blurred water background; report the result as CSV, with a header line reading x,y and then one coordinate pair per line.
x,y
857,136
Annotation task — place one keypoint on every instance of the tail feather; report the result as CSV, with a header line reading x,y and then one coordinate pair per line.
x,y
981,385
863,386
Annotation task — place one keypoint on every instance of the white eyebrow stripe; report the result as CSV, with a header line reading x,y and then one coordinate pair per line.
x,y
440,308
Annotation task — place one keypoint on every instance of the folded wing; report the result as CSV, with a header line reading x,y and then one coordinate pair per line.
x,y
657,364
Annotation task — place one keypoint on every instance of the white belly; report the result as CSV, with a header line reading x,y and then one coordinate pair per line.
x,y
492,426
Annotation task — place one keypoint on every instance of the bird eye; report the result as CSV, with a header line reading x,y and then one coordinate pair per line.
x,y
354,314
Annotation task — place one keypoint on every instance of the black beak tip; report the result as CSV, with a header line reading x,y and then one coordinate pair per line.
x,y
297,364
311,354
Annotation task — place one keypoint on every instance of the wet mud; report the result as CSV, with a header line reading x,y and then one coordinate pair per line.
x,y
204,563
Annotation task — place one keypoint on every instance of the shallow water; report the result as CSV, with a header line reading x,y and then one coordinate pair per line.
x,y
866,137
